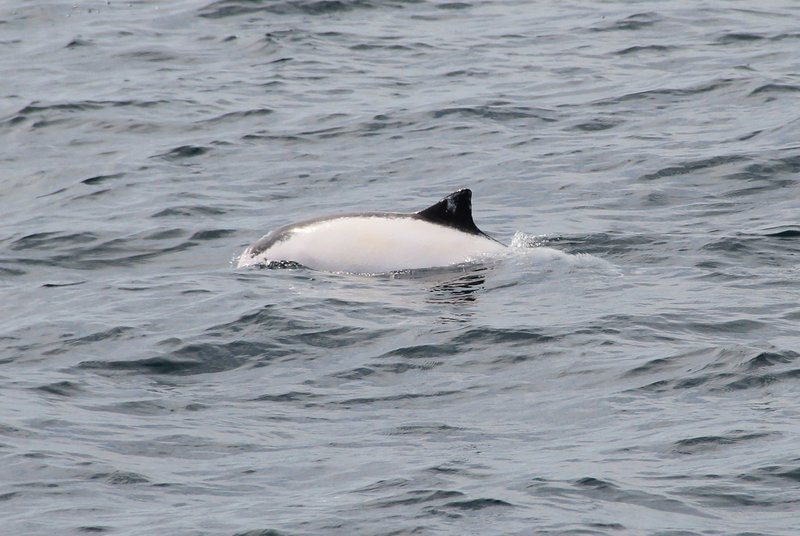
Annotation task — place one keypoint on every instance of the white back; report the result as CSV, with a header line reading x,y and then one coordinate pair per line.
x,y
375,244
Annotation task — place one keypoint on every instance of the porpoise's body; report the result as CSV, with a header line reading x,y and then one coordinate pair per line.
x,y
443,234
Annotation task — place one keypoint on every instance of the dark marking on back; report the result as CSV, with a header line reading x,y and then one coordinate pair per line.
x,y
454,211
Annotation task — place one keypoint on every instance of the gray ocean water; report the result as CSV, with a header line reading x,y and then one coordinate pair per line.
x,y
643,378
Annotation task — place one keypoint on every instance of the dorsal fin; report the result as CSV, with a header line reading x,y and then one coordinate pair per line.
x,y
455,211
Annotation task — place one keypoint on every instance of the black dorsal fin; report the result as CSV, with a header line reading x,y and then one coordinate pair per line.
x,y
455,211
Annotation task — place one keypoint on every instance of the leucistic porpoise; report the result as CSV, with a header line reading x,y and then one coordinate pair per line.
x,y
443,234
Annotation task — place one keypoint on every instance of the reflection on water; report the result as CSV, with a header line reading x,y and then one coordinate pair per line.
x,y
460,289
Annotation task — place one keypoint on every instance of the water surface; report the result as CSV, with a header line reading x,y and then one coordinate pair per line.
x,y
634,372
